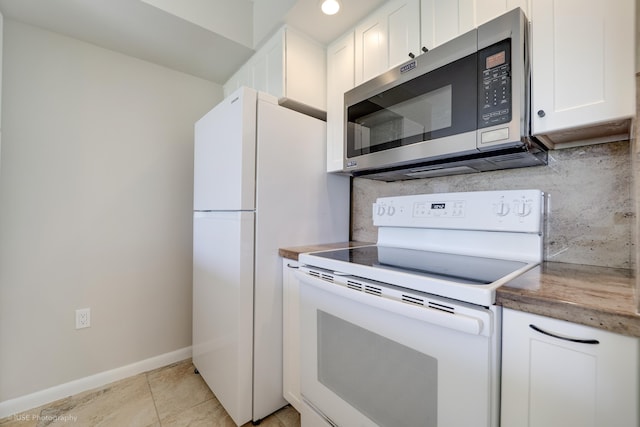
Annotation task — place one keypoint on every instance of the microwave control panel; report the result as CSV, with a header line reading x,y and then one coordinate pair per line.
x,y
494,65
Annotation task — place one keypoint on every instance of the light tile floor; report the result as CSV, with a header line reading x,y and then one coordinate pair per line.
x,y
172,396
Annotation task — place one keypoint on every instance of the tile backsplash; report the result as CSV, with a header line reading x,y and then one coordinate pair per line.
x,y
592,208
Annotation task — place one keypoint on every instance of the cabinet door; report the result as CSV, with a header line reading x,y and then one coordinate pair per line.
x,y
305,75
403,26
582,63
443,20
486,10
266,67
554,382
340,78
239,78
386,38
283,66
291,335
371,48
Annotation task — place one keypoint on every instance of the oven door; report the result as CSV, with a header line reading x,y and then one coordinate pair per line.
x,y
367,360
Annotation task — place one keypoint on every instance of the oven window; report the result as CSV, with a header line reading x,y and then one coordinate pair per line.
x,y
393,385
439,103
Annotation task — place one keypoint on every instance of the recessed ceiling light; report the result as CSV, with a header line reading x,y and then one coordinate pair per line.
x,y
330,7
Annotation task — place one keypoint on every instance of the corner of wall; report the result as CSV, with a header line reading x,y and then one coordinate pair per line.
x,y
635,167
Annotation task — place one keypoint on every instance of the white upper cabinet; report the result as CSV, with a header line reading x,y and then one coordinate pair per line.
x,y
340,78
239,78
582,69
386,38
283,67
443,20
266,68
486,10
582,57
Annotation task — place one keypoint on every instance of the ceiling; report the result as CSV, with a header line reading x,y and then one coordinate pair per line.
x,y
210,39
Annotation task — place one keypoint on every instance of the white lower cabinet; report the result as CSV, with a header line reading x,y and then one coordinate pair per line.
x,y
291,335
560,374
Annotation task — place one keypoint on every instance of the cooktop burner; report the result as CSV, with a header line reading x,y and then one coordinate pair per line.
x,y
465,269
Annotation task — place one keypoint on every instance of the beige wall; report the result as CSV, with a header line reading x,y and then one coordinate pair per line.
x,y
95,208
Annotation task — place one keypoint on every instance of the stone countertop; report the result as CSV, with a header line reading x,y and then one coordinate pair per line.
x,y
600,297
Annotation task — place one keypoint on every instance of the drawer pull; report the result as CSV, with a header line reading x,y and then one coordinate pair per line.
x,y
578,340
292,266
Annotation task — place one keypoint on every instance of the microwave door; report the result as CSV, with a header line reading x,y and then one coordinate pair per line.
x,y
431,116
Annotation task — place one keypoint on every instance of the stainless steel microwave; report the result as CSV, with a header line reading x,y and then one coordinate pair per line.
x,y
461,107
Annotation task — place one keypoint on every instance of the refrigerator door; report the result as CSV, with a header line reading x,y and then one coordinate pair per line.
x,y
224,155
223,307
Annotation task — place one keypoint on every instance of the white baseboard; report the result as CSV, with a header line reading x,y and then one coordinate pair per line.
x,y
42,397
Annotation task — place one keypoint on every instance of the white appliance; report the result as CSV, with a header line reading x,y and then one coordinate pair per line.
x,y
405,333
259,184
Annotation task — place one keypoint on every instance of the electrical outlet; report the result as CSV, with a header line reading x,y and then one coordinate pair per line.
x,y
83,318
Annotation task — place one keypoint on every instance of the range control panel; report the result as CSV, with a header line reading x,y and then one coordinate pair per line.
x,y
511,210
439,209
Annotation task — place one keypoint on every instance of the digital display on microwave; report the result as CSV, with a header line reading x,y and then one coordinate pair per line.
x,y
496,59
438,206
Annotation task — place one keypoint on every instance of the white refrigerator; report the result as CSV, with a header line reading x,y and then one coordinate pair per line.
x,y
259,184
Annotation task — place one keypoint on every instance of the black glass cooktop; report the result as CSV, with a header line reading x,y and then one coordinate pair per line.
x,y
460,268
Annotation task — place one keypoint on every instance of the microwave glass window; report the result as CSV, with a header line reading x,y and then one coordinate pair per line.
x,y
439,103
425,113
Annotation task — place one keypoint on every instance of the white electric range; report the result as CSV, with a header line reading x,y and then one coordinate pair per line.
x,y
405,332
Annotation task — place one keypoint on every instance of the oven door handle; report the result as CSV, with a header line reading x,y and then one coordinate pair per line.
x,y
456,321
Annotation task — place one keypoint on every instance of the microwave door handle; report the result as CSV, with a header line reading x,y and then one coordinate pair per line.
x,y
459,322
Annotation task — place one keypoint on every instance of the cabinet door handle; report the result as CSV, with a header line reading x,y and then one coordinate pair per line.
x,y
541,113
578,340
292,266
411,55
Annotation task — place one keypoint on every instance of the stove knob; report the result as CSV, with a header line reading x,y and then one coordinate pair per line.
x,y
522,209
501,209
